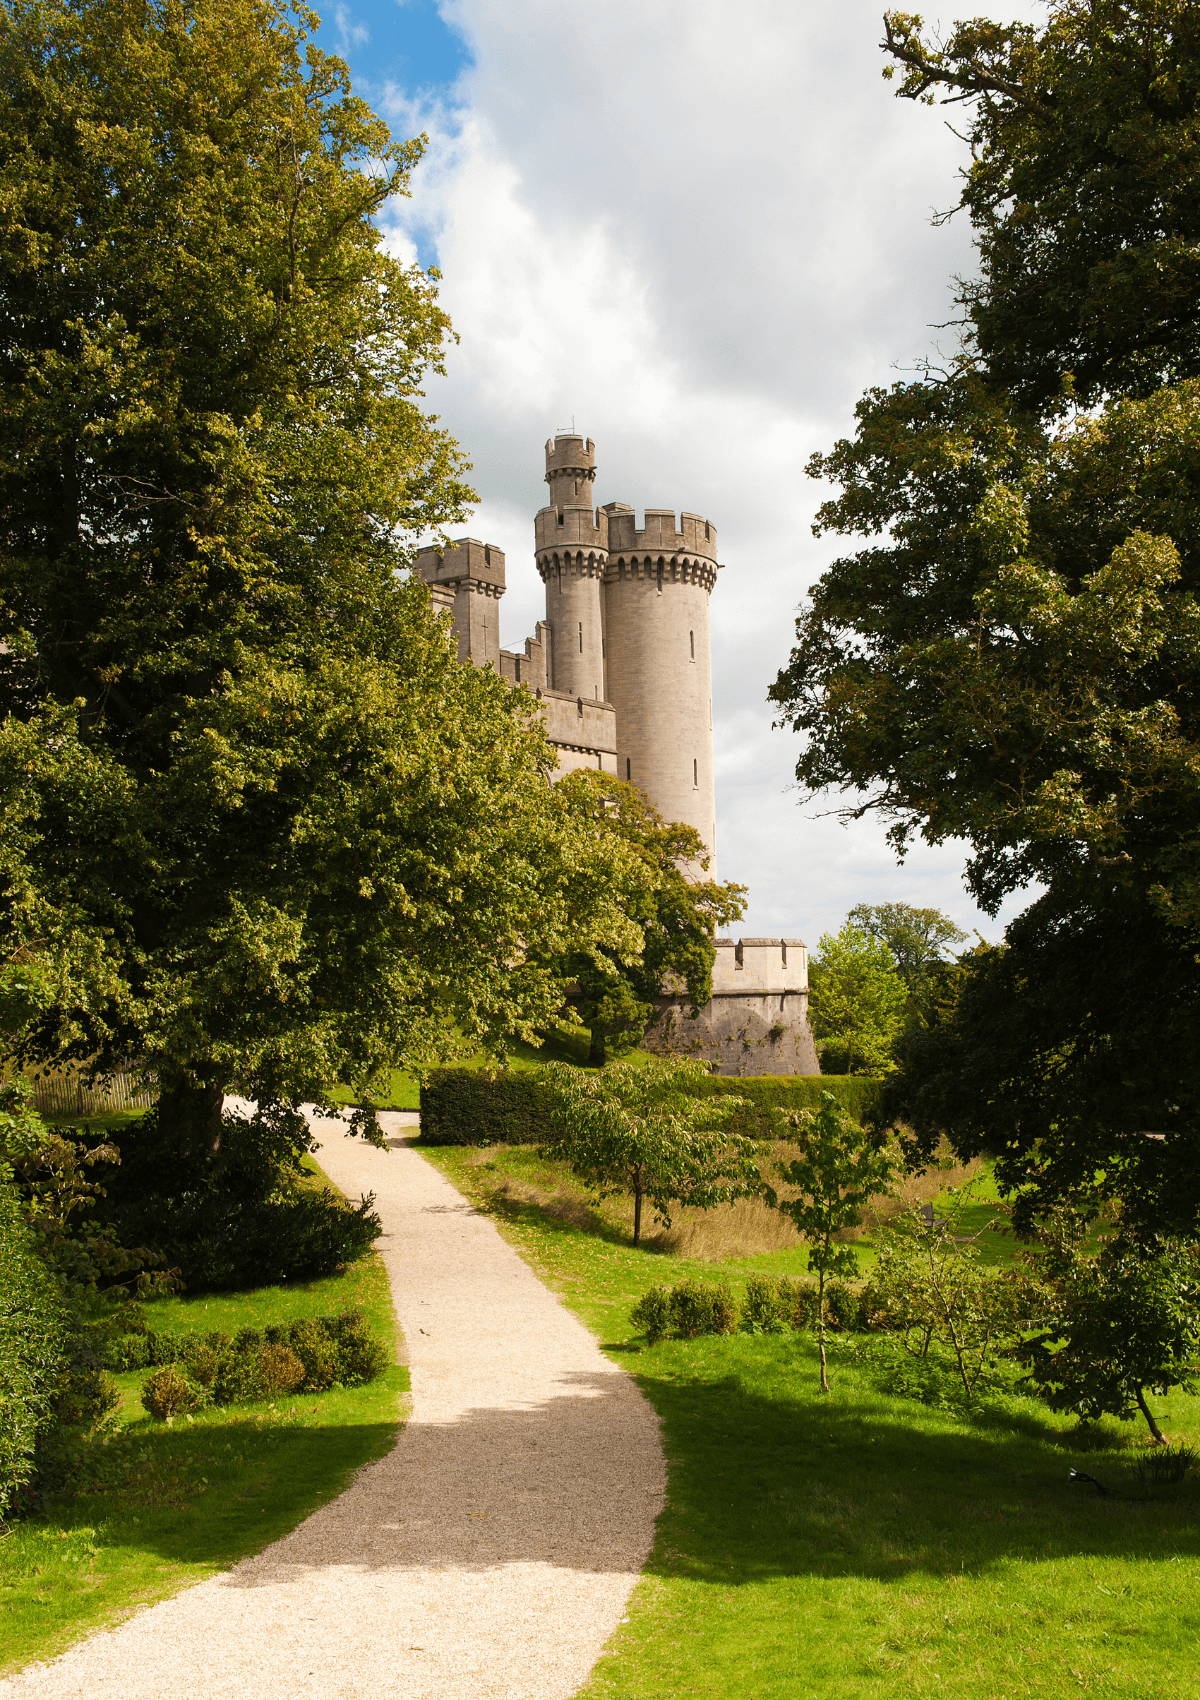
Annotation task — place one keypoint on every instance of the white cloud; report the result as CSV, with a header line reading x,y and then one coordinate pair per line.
x,y
700,230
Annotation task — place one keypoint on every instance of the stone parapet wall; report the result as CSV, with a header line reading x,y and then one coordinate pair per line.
x,y
742,1033
776,965
578,723
757,1021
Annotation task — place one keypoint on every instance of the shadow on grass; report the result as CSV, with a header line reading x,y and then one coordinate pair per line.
x,y
768,1479
772,1483
211,1493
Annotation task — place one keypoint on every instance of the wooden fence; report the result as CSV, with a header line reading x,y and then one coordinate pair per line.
x,y
69,1095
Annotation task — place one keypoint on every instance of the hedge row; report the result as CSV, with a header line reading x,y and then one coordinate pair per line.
x,y
463,1106
771,1306
193,1370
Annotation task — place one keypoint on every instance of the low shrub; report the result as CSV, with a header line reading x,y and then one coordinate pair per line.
x,y
772,1305
652,1314
318,1352
843,1306
309,1356
168,1392
703,1307
129,1352
280,1371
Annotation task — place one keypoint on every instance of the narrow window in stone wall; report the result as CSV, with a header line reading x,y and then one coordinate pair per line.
x,y
627,773
579,701
581,637
660,568
696,774
692,641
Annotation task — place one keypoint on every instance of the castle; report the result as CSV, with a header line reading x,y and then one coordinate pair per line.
x,y
621,668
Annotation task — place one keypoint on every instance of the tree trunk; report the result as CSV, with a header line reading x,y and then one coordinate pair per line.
x,y
637,1212
1160,1438
189,1113
821,1327
597,1055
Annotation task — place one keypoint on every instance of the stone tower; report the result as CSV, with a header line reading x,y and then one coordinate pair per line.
x,y
621,670
569,547
628,612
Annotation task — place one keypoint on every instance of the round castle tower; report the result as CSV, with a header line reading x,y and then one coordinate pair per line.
x,y
656,589
628,613
570,543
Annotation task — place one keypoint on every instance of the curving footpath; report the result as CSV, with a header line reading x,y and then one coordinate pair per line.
x,y
490,1554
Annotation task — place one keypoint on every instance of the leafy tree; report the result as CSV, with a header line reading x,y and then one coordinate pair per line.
x,y
1124,1320
34,1337
641,1128
1064,1049
260,829
918,940
1084,188
931,1287
856,998
1012,657
674,916
842,1168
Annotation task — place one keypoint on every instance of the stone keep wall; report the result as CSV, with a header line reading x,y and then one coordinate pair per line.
x,y
757,1022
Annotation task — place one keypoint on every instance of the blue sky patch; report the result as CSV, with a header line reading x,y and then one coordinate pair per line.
x,y
405,42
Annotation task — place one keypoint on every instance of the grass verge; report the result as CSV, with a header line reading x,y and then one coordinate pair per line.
x,y
163,1506
861,1545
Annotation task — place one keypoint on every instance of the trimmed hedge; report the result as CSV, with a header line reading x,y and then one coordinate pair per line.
x,y
463,1106
191,1369
772,1305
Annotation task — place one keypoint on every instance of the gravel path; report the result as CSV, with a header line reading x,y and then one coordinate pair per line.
x,y
490,1554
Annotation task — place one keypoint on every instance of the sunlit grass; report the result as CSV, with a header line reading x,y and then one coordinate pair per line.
x,y
859,1546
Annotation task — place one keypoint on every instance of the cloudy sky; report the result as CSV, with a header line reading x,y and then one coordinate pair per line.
x,y
698,230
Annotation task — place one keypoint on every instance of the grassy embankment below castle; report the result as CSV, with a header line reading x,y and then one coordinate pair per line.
x,y
861,1545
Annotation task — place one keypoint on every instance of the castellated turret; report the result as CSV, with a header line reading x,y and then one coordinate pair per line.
x,y
570,554
657,582
622,670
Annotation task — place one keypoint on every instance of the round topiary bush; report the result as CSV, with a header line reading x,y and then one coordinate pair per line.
x,y
361,1356
279,1370
317,1352
167,1392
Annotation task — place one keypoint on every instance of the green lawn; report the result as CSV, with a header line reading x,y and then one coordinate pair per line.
x,y
862,1545
164,1506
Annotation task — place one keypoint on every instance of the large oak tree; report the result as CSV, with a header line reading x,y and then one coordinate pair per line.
x,y
259,828
1012,657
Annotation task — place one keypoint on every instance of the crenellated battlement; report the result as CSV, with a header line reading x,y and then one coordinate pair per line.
x,y
570,528
694,536
570,471
760,965
465,559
